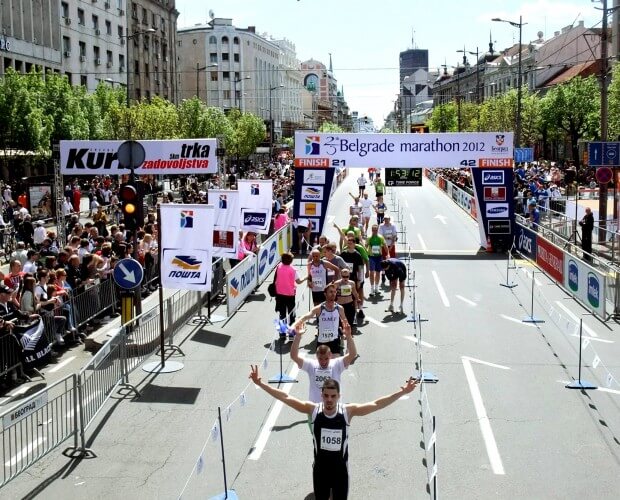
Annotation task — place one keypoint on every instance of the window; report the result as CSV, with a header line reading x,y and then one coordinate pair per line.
x,y
226,94
145,16
121,61
134,10
225,39
81,16
214,76
236,75
69,77
136,67
154,20
236,57
96,52
108,28
95,22
109,58
146,70
121,33
212,57
236,40
64,7
66,44
146,42
83,49
226,76
84,80
212,39
225,56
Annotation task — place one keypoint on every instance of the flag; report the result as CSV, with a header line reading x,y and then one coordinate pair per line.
x,y
186,246
35,345
227,222
255,202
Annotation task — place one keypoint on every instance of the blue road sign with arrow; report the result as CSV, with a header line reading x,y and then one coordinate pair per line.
x,y
128,273
604,154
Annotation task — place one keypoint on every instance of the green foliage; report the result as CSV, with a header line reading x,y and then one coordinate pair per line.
x,y
444,118
330,127
248,132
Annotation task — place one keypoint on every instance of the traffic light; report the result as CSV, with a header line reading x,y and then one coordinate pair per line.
x,y
131,206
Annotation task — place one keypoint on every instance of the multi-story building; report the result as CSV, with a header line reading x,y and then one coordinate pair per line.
x,y
319,80
30,35
243,70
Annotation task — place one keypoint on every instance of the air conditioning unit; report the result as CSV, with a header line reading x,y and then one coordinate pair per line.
x,y
82,58
98,62
67,53
97,32
121,12
122,41
109,65
67,21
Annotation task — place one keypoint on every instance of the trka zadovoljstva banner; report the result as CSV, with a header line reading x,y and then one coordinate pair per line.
x,y
313,187
186,246
463,149
191,156
256,203
227,222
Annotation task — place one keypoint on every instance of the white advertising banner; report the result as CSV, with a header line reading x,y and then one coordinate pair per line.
x,y
191,156
256,203
186,246
227,222
585,283
268,255
240,281
463,149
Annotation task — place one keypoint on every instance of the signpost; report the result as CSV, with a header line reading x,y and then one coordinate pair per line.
x,y
604,175
524,155
604,154
128,273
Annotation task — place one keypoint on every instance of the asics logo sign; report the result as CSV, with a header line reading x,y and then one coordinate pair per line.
x,y
493,177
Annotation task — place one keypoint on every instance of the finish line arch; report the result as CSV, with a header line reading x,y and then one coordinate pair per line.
x,y
488,154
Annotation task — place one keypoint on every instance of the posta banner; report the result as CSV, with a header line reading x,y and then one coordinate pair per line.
x,y
227,222
463,149
191,156
256,204
186,246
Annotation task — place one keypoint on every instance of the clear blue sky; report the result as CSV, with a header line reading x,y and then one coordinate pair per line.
x,y
365,37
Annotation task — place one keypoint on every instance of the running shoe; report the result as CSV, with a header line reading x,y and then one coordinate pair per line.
x,y
390,309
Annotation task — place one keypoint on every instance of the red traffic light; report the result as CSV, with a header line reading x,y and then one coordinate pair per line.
x,y
127,193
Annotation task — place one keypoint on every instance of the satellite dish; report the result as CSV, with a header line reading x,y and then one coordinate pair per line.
x,y
211,14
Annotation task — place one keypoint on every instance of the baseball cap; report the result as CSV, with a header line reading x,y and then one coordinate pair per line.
x,y
5,289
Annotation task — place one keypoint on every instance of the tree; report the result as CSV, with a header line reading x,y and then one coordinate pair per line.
x,y
330,127
248,131
444,118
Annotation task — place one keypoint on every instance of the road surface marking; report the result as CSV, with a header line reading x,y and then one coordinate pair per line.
x,y
376,322
481,413
61,365
575,318
265,432
529,275
602,389
442,293
415,341
406,203
331,219
422,244
594,338
467,301
520,321
29,448
412,219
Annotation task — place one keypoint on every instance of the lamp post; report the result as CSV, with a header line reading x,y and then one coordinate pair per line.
x,y
198,70
271,89
131,37
477,82
519,25
236,81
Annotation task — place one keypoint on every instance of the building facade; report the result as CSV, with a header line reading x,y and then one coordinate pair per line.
x,y
320,81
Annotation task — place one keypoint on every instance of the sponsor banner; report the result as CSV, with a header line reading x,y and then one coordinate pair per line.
x,y
186,246
495,162
462,198
525,242
310,209
256,203
314,177
551,259
316,225
269,254
585,284
284,239
494,193
313,149
493,177
312,193
497,226
227,222
240,282
497,210
40,198
191,156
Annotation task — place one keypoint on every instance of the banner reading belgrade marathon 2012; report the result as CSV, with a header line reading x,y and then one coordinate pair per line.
x,y
190,156
186,246
463,149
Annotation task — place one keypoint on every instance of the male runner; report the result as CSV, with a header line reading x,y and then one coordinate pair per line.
x,y
390,235
395,270
376,249
318,270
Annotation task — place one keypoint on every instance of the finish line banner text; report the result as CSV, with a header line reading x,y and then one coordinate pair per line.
x,y
463,149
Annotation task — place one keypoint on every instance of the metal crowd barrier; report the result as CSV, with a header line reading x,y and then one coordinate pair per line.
x,y
10,359
91,301
37,425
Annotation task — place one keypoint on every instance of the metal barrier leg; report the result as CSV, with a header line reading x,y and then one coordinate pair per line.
x,y
125,385
80,451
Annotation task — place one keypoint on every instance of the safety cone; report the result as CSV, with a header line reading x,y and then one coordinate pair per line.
x,y
489,245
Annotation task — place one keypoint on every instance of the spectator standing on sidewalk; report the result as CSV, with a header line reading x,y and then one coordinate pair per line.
x,y
587,226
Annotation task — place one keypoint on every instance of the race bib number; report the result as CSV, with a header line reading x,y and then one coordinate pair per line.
x,y
317,282
350,266
327,335
320,374
345,290
331,439
376,249
360,274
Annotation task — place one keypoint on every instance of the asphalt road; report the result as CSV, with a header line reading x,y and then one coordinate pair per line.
x,y
506,426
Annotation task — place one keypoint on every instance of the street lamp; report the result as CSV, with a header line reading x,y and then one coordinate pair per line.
x,y
236,81
271,89
130,37
519,25
198,70
477,81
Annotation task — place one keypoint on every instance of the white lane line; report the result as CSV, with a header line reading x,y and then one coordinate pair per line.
x,y
61,365
602,389
415,341
467,301
442,292
483,419
376,322
529,275
515,320
594,339
422,244
575,318
265,432
406,203
331,219
412,219
29,448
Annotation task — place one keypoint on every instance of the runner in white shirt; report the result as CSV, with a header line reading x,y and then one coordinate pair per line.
x,y
361,183
366,211
390,235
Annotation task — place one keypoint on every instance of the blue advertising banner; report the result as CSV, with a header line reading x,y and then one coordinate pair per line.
x,y
313,187
496,213
525,242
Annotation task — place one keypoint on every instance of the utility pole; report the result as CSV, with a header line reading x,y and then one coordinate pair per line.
x,y
602,202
